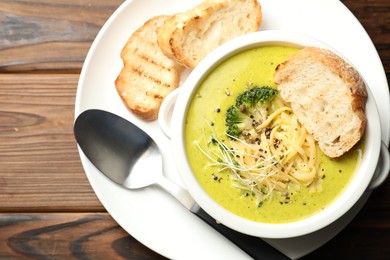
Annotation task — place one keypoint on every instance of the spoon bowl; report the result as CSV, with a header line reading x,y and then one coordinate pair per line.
x,y
128,156
124,153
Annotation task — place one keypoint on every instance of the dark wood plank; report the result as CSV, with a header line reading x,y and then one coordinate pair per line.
x,y
40,169
67,236
49,35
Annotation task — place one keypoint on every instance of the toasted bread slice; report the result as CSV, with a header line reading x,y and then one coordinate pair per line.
x,y
327,95
189,36
147,75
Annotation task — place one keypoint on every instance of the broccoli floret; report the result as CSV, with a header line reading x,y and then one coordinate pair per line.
x,y
256,95
237,121
250,110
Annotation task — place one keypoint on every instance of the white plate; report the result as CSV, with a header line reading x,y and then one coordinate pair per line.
x,y
152,216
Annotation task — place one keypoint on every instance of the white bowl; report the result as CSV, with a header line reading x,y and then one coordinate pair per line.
x,y
356,187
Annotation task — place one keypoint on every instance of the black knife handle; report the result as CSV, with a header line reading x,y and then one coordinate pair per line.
x,y
253,246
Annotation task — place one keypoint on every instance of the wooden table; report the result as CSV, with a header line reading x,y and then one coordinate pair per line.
x,y
47,207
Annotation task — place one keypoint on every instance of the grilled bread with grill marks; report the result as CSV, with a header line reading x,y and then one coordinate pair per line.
x,y
327,95
189,36
147,75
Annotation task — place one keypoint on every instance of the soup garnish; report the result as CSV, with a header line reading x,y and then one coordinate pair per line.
x,y
269,150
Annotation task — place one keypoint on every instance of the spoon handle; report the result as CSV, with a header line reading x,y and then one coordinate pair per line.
x,y
253,246
176,191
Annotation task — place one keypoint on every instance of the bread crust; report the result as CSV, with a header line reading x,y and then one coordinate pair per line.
x,y
147,76
210,23
328,96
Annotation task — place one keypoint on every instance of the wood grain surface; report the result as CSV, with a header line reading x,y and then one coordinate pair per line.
x,y
49,35
48,210
67,236
40,167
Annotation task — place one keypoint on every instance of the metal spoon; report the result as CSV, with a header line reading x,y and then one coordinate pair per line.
x,y
128,156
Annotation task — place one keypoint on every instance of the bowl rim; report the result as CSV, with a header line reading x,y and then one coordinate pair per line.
x,y
351,194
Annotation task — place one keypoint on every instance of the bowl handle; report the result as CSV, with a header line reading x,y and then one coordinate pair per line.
x,y
382,169
166,111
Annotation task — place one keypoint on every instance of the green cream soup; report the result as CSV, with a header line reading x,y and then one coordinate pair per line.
x,y
254,67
